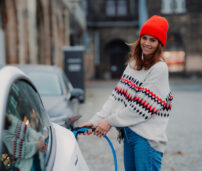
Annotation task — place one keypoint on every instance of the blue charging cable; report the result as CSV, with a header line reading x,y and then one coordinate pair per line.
x,y
84,129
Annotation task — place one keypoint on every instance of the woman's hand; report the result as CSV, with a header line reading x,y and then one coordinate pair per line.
x,y
87,124
42,146
102,128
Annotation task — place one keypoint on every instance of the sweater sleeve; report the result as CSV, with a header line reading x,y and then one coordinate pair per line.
x,y
107,109
145,100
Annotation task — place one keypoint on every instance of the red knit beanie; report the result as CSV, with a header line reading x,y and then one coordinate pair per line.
x,y
156,26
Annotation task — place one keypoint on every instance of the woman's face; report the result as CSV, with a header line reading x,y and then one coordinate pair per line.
x,y
148,44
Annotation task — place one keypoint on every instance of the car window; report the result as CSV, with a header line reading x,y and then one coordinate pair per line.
x,y
47,84
26,134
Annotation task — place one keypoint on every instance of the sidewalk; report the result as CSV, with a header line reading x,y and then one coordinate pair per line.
x,y
184,149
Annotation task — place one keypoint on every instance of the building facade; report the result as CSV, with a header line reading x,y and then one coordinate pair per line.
x,y
185,32
36,31
113,24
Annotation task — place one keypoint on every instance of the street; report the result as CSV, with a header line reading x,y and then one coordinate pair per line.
x,y
184,149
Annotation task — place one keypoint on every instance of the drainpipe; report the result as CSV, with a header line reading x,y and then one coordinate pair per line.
x,y
142,11
2,44
2,47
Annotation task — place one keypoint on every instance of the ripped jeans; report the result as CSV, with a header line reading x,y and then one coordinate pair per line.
x,y
138,154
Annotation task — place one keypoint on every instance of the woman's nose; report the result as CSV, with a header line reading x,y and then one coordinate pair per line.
x,y
147,42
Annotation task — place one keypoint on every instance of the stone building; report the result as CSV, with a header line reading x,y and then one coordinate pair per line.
x,y
35,31
112,24
185,32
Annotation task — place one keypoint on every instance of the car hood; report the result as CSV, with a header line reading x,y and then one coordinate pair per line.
x,y
57,106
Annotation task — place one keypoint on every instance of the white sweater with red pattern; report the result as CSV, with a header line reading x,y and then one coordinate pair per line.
x,y
141,101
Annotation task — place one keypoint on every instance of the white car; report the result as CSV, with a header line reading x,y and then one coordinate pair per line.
x,y
28,140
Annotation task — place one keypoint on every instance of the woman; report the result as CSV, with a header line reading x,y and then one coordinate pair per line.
x,y
141,101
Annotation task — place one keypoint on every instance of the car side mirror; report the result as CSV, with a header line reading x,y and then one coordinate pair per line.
x,y
78,94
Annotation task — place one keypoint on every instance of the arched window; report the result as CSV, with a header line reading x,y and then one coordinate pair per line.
x,y
117,54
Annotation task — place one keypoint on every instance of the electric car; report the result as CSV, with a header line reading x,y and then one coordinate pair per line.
x,y
28,140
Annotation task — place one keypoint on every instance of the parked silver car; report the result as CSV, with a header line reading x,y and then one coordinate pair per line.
x,y
28,140
59,97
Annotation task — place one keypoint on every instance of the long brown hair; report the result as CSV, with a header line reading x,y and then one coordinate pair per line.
x,y
136,54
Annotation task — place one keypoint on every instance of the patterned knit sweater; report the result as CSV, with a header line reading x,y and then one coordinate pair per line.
x,y
141,101
21,142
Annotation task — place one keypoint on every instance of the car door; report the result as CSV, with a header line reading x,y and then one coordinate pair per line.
x,y
26,135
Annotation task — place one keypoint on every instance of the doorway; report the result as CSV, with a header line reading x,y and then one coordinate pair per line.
x,y
117,51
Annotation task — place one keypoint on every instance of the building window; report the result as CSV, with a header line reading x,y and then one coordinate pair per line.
x,y
116,7
121,7
173,6
110,7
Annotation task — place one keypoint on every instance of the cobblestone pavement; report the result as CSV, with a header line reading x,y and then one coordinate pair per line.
x,y
184,149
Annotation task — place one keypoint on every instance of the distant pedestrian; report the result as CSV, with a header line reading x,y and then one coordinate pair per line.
x,y
141,101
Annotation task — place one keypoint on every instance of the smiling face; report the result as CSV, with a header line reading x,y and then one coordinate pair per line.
x,y
148,44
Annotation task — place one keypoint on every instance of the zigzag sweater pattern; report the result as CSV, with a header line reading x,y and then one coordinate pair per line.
x,y
141,101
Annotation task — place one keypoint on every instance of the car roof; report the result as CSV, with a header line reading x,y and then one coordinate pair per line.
x,y
10,73
39,67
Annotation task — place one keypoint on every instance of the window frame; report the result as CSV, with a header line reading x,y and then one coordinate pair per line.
x,y
116,6
173,6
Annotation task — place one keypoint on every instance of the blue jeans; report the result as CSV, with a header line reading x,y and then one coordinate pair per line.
x,y
138,154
